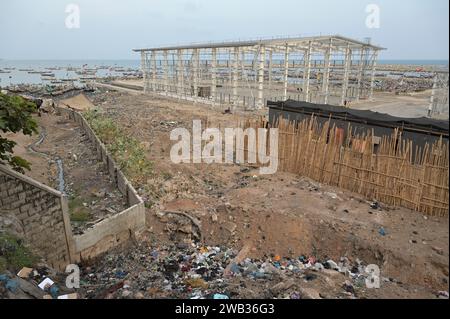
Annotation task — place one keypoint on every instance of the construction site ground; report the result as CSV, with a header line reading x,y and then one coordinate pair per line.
x,y
264,217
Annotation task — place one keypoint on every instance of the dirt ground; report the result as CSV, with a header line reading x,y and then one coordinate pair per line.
x,y
92,195
281,214
234,206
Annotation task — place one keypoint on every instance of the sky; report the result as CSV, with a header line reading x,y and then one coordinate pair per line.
x,y
110,29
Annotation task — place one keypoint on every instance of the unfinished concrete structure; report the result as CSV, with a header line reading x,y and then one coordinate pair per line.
x,y
439,95
323,69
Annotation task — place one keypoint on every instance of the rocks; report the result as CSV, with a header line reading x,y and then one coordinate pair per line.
x,y
309,293
282,286
348,287
230,226
438,250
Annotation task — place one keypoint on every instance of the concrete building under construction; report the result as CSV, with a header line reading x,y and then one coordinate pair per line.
x,y
246,74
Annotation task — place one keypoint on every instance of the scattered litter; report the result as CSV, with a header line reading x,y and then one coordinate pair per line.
x,y
46,283
25,272
69,296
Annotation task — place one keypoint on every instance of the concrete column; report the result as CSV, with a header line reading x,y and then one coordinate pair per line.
x,y
286,71
348,60
180,72
195,72
433,95
230,67
372,76
360,73
144,70
213,74
270,68
326,73
166,72
262,62
235,75
154,71
307,72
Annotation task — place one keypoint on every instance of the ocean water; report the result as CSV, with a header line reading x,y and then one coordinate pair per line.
x,y
22,77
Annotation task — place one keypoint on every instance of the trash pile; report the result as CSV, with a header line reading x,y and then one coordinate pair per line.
x,y
197,272
41,282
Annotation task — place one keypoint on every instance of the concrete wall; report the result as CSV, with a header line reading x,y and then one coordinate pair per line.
x,y
42,214
118,228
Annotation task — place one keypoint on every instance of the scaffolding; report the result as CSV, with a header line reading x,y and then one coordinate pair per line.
x,y
246,74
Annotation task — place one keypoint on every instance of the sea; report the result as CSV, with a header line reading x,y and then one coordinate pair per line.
x,y
106,68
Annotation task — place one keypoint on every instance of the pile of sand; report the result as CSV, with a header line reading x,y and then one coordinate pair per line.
x,y
79,102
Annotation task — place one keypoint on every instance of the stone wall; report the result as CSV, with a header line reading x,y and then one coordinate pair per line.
x,y
42,216
38,214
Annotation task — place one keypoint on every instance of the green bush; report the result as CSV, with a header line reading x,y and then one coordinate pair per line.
x,y
14,255
126,150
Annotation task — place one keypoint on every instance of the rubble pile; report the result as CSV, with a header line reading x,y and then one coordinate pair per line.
x,y
403,85
41,282
198,272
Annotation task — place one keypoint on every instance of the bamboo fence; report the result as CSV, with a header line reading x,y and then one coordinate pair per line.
x,y
393,171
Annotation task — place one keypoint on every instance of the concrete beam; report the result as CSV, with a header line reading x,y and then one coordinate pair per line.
x,y
360,73
262,62
214,74
286,71
348,60
326,72
180,72
195,67
235,76
166,72
372,76
307,72
144,70
154,71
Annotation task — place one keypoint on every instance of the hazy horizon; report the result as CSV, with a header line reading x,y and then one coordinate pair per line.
x,y
409,29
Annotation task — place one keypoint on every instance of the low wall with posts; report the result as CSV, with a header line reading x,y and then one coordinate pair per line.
x,y
115,229
43,211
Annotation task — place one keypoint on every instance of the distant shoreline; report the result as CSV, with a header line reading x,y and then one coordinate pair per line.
x,y
380,61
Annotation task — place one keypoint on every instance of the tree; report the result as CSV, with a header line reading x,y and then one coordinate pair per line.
x,y
15,116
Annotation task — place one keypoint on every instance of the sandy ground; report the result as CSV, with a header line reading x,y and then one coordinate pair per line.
x,y
406,105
